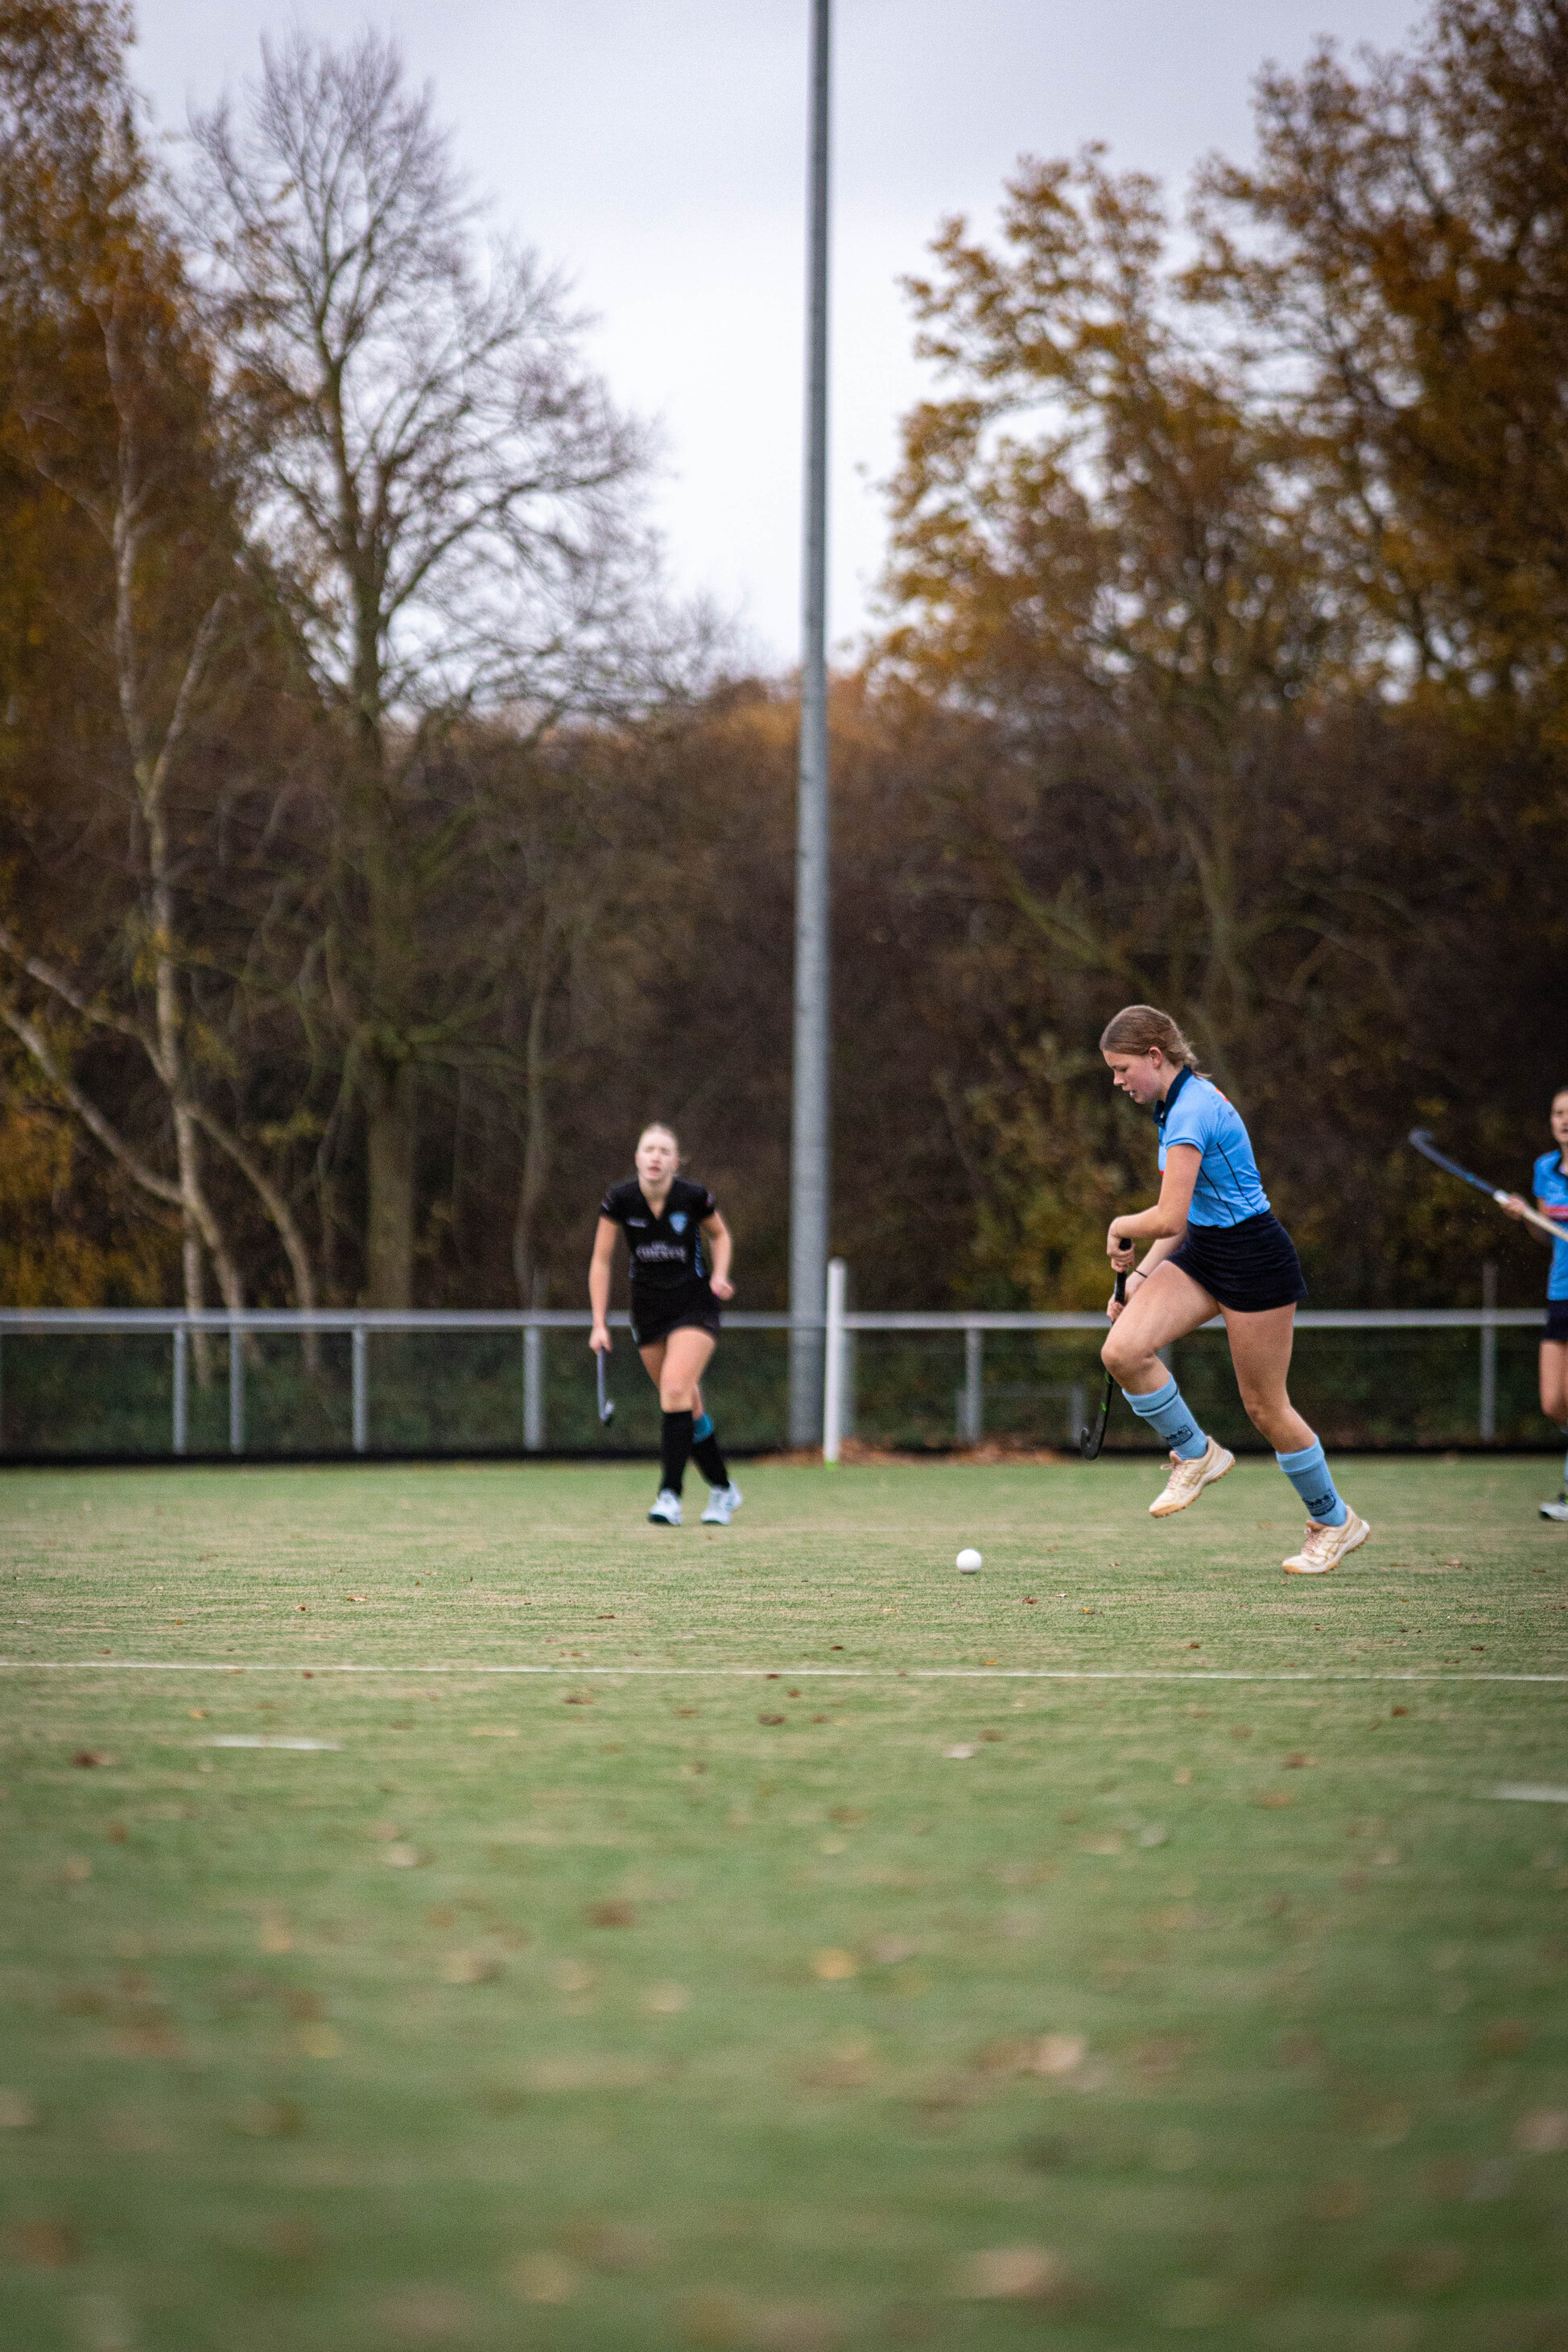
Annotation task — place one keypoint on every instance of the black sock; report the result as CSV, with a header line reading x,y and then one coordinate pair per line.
x,y
674,1445
708,1460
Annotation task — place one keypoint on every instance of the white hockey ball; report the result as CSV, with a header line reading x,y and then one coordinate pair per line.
x,y
967,1563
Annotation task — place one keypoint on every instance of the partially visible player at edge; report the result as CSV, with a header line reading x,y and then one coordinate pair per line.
x,y
1216,1243
675,1310
1552,1200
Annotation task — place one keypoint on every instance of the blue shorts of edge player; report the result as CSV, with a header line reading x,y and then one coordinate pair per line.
x,y
1217,1246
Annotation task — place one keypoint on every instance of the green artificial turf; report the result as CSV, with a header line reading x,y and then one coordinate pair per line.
x,y
640,2003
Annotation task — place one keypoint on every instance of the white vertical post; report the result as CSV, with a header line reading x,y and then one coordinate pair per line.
x,y
235,1387
533,1389
181,1433
810,1113
1488,1355
359,1374
832,1366
973,1373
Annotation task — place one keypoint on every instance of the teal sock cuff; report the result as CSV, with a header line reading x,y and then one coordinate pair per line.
x,y
701,1429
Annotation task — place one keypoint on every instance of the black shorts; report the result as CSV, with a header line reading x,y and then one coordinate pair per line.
x,y
1557,1321
1249,1267
656,1313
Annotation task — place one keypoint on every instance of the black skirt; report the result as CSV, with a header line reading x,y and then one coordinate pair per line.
x,y
1556,1320
656,1313
1249,1267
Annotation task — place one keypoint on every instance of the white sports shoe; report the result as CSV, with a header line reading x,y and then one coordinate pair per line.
x,y
1557,1510
722,1504
1188,1480
1325,1547
666,1511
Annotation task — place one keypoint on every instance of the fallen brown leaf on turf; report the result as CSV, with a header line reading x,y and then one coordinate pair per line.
x,y
1272,1799
294,2239
1338,2201
1543,2132
1507,2039
611,2246
850,2067
469,1967
270,2119
790,2328
770,1719
834,1966
1295,1763
42,2245
611,1915
713,2323
1015,2274
424,2314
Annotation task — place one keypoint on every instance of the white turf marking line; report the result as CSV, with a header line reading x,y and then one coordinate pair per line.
x,y
760,1673
1531,1792
263,1740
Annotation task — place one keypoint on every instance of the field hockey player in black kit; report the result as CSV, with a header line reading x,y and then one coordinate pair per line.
x,y
675,1310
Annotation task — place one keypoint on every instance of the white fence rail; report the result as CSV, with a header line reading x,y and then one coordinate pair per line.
x,y
839,1324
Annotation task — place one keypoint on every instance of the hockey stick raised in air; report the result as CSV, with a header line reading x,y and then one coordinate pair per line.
x,y
606,1402
1091,1439
1421,1137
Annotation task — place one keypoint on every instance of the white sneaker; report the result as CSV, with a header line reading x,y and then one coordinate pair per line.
x,y
1325,1547
722,1504
1188,1480
1557,1510
666,1511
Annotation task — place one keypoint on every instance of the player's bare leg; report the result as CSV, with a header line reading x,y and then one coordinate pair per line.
x,y
1165,1308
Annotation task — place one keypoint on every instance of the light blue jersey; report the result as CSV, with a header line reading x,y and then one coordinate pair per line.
x,y
1229,1188
1551,1193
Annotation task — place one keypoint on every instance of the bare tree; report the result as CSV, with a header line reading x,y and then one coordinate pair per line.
x,y
444,485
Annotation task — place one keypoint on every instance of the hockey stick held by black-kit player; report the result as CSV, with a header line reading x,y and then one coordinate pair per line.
x,y
1421,1137
601,1370
1092,1439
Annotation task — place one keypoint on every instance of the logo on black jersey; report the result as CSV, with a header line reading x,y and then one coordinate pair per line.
x,y
678,1222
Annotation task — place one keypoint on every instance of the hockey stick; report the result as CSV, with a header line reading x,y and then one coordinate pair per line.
x,y
1091,1439
1421,1137
606,1402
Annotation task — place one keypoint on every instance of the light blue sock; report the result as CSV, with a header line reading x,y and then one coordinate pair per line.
x,y
701,1429
1565,1468
1166,1413
1308,1472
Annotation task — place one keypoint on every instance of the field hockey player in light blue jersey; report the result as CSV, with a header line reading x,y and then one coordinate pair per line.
x,y
1552,1200
1218,1246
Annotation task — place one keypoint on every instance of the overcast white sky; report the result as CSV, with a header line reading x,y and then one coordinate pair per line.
x,y
657,150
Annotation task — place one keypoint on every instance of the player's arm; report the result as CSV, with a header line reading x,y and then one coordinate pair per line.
x,y
720,1249
1166,1221
599,1268
1515,1207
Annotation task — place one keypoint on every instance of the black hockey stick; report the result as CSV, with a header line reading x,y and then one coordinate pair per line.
x,y
606,1402
1421,1137
1091,1439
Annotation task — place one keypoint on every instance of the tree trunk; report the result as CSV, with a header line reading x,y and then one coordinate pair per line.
x,y
391,1143
536,1145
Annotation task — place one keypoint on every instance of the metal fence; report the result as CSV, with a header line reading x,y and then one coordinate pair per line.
x,y
359,1381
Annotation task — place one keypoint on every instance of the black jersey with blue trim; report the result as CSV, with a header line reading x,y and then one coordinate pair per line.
x,y
665,1251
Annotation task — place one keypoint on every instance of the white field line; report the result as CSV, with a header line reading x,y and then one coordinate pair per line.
x,y
765,1674
1531,1792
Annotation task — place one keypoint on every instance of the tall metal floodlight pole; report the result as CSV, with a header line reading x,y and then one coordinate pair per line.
x,y
810,1136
